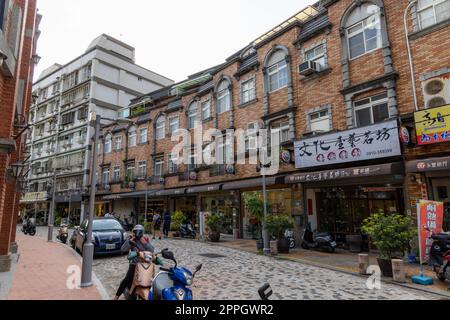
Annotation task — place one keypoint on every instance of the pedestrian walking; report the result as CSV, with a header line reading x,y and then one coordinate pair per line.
x,y
156,225
166,224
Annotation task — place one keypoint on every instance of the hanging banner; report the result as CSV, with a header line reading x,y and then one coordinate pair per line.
x,y
433,125
380,140
430,217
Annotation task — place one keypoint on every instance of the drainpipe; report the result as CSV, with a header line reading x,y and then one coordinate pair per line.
x,y
408,47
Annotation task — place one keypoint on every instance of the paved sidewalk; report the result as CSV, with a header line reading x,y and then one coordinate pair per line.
x,y
41,272
341,261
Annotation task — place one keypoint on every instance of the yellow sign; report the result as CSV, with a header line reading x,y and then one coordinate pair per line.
x,y
433,125
34,197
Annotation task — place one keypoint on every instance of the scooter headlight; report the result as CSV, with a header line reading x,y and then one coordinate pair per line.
x,y
180,294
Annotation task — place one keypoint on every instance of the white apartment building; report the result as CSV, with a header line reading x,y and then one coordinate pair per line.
x,y
102,80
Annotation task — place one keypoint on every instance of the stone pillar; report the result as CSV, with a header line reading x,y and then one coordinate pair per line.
x,y
398,269
363,262
274,247
5,263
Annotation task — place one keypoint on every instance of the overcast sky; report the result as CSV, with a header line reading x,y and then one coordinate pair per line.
x,y
175,38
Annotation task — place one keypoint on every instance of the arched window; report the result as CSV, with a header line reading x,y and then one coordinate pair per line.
x,y
160,127
277,70
223,97
192,115
108,142
132,137
363,30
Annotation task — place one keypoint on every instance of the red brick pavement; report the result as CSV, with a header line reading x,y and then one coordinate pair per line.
x,y
41,273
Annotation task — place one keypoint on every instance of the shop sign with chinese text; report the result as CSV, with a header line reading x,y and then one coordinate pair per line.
x,y
377,141
430,216
433,125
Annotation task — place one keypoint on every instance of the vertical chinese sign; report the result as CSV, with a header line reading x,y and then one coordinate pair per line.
x,y
430,219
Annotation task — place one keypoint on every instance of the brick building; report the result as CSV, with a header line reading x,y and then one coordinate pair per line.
x,y
334,81
19,32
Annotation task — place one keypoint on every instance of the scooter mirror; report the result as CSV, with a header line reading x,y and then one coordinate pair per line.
x,y
198,268
168,255
265,292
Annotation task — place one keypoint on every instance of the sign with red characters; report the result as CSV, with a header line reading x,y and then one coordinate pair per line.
x,y
430,217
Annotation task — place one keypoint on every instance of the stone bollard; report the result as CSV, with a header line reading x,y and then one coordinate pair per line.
x,y
363,260
274,247
398,270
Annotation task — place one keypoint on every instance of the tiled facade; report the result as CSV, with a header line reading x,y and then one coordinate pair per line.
x,y
327,99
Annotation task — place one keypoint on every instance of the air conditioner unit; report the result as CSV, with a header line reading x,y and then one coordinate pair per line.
x,y
436,91
309,67
39,170
162,181
107,187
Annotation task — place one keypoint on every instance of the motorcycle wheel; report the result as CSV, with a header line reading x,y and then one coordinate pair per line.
x,y
330,249
32,233
64,240
292,244
305,246
127,296
441,276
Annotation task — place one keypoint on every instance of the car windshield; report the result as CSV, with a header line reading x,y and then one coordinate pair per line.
x,y
107,224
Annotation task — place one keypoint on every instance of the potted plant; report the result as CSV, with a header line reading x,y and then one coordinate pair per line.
x,y
254,204
277,226
177,219
214,223
391,234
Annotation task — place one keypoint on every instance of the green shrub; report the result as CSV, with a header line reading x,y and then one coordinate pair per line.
x,y
148,228
177,219
391,233
58,221
277,225
214,222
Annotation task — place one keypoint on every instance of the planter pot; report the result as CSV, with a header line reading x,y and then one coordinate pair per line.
x,y
283,245
259,245
214,236
354,242
386,267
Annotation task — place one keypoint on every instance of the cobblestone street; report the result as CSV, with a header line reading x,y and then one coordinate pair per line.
x,y
235,274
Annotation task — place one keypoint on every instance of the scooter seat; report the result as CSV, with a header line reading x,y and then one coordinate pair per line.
x,y
161,282
322,235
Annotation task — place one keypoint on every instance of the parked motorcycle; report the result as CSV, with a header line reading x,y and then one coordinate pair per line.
x,y
29,227
321,241
63,233
289,235
187,230
173,283
440,255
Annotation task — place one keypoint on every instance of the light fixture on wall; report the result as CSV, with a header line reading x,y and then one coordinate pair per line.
x,y
3,57
36,59
17,170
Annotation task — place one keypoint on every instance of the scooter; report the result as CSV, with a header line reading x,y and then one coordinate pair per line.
x,y
63,233
143,274
187,230
440,255
173,283
289,235
29,228
321,241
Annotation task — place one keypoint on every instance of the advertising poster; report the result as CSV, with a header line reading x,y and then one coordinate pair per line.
x,y
433,125
430,216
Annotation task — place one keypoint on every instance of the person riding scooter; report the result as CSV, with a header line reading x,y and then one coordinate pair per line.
x,y
137,242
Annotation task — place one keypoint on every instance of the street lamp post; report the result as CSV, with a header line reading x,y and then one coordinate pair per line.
x,y
51,214
265,233
88,248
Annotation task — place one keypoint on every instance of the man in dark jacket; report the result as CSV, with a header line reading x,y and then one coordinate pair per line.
x,y
166,225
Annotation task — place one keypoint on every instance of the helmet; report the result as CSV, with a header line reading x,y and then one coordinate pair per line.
x,y
138,231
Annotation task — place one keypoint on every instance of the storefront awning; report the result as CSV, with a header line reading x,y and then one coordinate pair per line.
x,y
207,188
347,173
170,192
428,165
243,184
66,199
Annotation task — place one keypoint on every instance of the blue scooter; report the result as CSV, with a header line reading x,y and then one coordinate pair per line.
x,y
173,283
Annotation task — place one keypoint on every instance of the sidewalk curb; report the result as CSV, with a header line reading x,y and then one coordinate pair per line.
x,y
318,265
100,288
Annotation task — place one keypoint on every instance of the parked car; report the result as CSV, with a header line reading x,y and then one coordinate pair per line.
x,y
108,236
